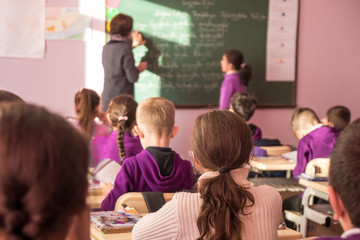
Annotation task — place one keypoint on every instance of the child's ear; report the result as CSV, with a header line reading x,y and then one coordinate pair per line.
x,y
174,131
139,131
330,124
336,203
299,134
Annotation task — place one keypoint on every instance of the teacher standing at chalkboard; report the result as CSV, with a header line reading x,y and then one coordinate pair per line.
x,y
237,76
118,60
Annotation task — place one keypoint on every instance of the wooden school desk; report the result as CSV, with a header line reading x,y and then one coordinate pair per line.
x,y
273,164
94,198
283,234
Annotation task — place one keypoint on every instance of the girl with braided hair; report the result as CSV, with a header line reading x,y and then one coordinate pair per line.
x,y
43,176
226,205
122,142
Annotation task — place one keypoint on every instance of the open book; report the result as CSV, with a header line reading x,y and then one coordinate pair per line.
x,y
106,171
113,221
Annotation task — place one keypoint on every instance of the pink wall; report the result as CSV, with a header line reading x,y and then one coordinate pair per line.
x,y
328,70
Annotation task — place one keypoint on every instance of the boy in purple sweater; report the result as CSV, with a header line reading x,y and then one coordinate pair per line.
x,y
344,182
157,167
315,139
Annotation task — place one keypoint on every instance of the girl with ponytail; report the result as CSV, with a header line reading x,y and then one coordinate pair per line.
x,y
122,142
226,205
87,104
236,78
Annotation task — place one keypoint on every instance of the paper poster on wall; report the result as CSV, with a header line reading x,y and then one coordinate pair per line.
x,y
281,40
22,32
67,23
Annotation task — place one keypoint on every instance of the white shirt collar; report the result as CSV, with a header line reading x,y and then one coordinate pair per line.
x,y
350,232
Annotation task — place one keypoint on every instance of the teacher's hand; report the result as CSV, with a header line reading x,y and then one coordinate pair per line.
x,y
142,66
137,39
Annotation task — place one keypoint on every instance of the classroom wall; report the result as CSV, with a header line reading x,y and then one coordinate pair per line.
x,y
328,68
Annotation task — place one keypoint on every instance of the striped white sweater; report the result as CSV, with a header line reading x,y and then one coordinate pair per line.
x,y
177,218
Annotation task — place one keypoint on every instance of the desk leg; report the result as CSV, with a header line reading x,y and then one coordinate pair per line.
x,y
288,173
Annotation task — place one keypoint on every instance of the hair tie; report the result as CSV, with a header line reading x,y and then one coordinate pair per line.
x,y
224,170
122,118
243,65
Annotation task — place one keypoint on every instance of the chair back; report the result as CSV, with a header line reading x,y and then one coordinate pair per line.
x,y
136,199
318,167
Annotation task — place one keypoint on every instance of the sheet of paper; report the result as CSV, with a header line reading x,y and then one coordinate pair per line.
x,y
22,28
67,23
281,40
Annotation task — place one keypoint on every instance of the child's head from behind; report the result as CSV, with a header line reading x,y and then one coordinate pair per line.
x,y
121,24
122,115
243,104
302,121
157,116
9,97
338,117
87,104
221,142
43,174
214,137
344,175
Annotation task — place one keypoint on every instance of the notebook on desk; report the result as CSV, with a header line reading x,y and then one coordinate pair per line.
x,y
292,156
113,221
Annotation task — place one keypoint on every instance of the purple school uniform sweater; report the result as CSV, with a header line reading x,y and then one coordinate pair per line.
x,y
106,147
141,173
229,86
255,131
319,143
351,237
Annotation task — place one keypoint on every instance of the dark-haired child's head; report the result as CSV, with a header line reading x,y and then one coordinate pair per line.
x,y
302,121
344,177
121,24
232,60
243,104
9,97
87,104
43,174
214,137
338,117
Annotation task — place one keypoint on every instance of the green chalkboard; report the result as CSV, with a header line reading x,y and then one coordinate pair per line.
x,y
185,43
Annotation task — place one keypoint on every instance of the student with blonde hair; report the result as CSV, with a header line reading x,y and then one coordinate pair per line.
x,y
226,206
157,167
315,139
43,176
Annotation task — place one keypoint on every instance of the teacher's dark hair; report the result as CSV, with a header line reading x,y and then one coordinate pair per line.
x,y
344,170
121,24
43,173
222,148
